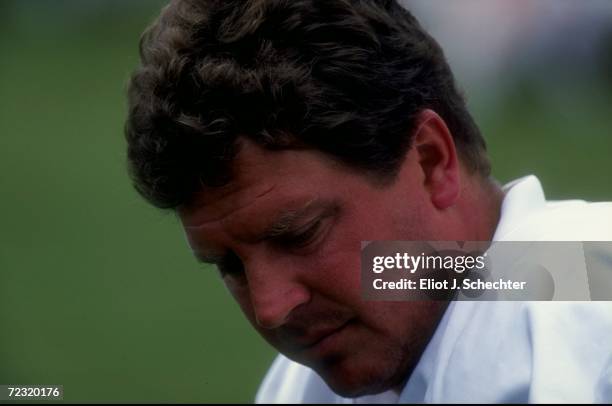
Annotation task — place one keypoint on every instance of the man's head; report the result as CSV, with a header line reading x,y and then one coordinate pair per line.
x,y
286,132
346,78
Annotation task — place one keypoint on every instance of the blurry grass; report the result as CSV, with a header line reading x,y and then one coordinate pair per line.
x,y
98,292
562,134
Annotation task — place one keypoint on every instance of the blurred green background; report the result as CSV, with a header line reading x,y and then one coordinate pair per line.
x,y
98,291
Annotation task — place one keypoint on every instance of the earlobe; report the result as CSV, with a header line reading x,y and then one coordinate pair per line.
x,y
437,157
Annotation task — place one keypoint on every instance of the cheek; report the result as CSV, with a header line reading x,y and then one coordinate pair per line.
x,y
335,271
398,213
337,275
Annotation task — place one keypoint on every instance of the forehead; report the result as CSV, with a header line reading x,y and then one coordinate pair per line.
x,y
268,180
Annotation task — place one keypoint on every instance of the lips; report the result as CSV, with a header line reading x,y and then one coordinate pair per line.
x,y
304,338
319,336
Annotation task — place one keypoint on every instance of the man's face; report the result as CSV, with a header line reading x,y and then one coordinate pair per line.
x,y
286,234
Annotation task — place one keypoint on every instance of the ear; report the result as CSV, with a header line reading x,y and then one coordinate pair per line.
x,y
437,157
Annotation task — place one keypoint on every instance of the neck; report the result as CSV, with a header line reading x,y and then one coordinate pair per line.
x,y
482,208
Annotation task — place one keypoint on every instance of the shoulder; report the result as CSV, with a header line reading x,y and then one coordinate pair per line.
x,y
572,337
526,215
536,352
571,220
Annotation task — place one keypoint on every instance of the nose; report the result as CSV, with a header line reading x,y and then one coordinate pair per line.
x,y
274,293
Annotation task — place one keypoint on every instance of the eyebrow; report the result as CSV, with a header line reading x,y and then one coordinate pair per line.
x,y
284,224
287,221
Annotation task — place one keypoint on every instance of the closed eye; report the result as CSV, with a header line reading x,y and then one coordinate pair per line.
x,y
306,238
299,238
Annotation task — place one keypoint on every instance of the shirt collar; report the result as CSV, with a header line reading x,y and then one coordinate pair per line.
x,y
521,197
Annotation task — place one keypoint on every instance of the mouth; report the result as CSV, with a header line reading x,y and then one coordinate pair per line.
x,y
326,340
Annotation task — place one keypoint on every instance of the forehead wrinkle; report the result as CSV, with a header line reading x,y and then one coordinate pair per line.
x,y
221,227
223,216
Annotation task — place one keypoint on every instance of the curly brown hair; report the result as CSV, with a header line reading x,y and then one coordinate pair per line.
x,y
345,77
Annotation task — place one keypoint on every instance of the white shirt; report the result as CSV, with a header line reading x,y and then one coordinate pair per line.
x,y
500,351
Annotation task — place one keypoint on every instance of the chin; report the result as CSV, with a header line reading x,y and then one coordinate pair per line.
x,y
354,379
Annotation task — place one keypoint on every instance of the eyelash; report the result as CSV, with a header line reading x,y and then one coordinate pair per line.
x,y
303,239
